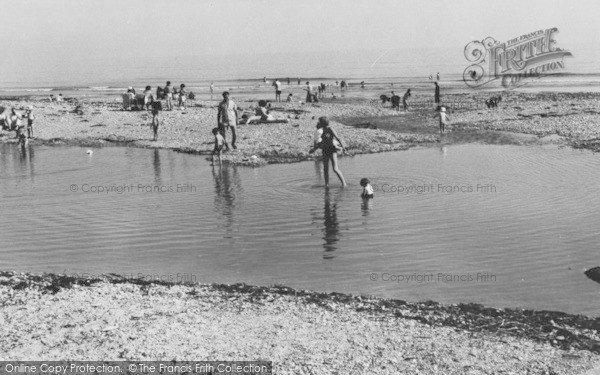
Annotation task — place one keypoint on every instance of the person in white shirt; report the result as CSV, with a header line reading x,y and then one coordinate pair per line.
x,y
277,85
227,117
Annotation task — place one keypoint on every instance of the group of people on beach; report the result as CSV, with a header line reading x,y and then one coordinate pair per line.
x,y
13,121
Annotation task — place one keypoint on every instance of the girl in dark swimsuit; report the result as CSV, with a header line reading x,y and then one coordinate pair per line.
x,y
331,145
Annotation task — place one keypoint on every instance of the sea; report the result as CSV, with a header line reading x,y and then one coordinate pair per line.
x,y
368,73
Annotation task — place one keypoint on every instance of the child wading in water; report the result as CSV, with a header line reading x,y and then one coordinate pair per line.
x,y
219,142
29,116
444,119
367,188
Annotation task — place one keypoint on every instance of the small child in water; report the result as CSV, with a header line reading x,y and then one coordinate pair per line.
x,y
30,117
367,188
219,143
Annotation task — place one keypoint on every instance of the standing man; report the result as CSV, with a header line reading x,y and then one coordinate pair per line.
x,y
308,92
437,95
277,85
212,90
169,96
404,99
438,76
227,117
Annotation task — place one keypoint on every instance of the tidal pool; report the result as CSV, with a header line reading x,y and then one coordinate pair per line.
x,y
507,226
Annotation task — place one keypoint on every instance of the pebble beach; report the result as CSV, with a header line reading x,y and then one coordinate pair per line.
x,y
365,127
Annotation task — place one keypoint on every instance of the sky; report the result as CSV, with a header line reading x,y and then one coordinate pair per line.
x,y
42,32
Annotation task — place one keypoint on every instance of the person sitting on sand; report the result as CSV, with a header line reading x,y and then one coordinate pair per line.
x,y
330,149
219,143
261,113
30,117
59,98
289,98
444,119
367,192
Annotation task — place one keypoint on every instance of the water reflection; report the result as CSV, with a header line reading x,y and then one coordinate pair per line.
x,y
157,169
444,151
366,206
318,174
228,189
26,156
331,228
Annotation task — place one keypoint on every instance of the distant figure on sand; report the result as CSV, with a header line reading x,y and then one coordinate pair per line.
x,y
212,90
309,95
343,85
219,142
277,85
148,97
444,119
289,98
169,96
331,144
367,192
395,101
227,117
362,85
437,95
404,99
182,97
438,76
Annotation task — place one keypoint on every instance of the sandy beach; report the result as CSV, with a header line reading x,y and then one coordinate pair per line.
x,y
366,127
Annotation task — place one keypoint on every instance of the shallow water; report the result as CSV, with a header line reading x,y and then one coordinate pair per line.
x,y
500,225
